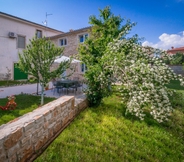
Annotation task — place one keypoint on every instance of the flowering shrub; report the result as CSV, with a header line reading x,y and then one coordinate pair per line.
x,y
111,56
143,77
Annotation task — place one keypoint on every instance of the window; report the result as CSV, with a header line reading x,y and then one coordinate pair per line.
x,y
38,34
21,41
63,42
83,67
83,37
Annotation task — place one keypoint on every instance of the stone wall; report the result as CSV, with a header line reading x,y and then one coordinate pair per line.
x,y
26,137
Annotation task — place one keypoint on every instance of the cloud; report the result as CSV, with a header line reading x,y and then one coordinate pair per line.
x,y
166,41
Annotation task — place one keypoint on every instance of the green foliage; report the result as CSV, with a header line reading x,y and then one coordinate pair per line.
x,y
143,78
37,59
104,29
176,59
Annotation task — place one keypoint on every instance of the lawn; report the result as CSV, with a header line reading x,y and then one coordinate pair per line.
x,y
105,134
25,104
14,82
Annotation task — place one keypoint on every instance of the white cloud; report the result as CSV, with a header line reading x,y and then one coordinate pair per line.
x,y
166,41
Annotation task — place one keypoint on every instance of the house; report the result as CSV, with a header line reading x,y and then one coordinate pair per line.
x,y
71,41
175,50
15,34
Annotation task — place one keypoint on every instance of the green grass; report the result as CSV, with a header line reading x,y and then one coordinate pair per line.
x,y
14,82
105,134
175,84
25,104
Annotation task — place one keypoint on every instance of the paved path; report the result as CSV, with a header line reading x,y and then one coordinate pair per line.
x,y
32,89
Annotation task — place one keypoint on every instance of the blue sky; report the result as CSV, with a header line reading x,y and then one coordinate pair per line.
x,y
160,22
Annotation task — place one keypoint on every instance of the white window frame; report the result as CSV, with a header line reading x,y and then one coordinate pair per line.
x,y
83,36
64,42
19,43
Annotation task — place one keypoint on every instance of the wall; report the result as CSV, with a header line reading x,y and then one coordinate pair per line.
x,y
9,51
71,49
25,137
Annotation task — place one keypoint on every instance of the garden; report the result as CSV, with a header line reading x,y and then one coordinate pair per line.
x,y
105,133
141,119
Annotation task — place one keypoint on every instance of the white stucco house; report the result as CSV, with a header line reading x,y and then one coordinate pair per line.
x,y
14,36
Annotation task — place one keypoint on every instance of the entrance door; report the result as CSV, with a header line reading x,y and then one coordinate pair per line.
x,y
18,74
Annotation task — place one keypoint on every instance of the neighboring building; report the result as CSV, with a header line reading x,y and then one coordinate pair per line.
x,y
175,50
70,41
15,34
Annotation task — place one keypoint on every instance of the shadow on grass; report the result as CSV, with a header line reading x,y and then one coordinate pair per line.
x,y
116,109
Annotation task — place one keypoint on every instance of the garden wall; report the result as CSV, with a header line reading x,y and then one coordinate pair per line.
x,y
26,137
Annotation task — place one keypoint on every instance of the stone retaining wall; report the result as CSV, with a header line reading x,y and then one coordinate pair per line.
x,y
26,137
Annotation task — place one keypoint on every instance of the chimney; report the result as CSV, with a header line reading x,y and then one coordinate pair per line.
x,y
71,30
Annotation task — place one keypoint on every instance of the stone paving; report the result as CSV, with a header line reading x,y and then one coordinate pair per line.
x,y
32,89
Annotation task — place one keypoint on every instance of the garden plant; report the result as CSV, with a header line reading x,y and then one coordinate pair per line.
x,y
113,57
37,59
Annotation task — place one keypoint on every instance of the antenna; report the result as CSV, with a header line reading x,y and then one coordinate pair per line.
x,y
46,22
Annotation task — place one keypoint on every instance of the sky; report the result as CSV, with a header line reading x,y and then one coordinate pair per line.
x,y
159,22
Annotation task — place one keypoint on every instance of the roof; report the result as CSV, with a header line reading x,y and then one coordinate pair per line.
x,y
71,32
176,50
26,21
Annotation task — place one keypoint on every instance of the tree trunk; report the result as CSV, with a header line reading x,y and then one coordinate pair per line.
x,y
42,94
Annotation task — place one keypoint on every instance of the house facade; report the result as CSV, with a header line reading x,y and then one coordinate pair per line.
x,y
15,34
71,41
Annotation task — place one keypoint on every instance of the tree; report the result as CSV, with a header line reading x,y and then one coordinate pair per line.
x,y
109,54
104,29
37,59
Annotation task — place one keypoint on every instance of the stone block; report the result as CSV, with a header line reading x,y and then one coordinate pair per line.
x,y
29,132
57,127
28,125
13,158
55,113
47,115
13,150
13,138
39,119
71,115
3,158
45,125
50,133
25,153
40,143
52,125
25,140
